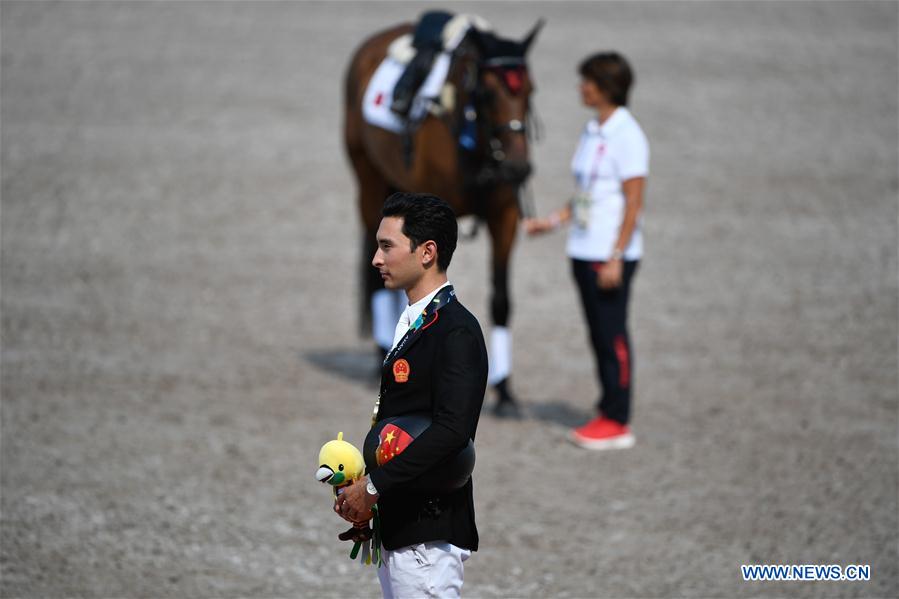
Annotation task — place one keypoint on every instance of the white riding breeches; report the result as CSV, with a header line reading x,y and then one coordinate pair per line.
x,y
424,570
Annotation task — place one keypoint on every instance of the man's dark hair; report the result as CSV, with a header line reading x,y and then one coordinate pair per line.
x,y
611,73
425,217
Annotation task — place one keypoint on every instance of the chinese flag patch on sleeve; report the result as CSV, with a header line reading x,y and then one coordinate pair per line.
x,y
393,440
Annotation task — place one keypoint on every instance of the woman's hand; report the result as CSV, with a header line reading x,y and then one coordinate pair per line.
x,y
536,226
609,276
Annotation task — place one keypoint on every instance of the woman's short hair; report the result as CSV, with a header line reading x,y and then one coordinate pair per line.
x,y
611,73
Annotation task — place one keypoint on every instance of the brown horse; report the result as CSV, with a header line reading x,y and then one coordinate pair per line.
x,y
488,91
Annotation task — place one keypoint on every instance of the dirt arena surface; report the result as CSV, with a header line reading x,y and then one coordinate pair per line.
x,y
179,330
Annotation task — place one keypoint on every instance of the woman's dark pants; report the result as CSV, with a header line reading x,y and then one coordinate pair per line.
x,y
606,314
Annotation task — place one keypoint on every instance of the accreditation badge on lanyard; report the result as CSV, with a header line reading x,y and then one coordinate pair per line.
x,y
582,201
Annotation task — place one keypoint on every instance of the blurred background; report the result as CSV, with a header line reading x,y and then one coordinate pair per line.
x,y
179,291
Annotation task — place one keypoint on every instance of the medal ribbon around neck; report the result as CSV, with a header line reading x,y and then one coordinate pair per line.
x,y
445,296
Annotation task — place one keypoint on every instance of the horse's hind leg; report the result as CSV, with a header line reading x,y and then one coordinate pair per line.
x,y
385,305
503,225
379,307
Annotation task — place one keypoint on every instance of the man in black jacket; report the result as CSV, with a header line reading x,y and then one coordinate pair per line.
x,y
438,366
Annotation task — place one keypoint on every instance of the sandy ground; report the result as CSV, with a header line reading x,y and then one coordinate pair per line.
x,y
179,336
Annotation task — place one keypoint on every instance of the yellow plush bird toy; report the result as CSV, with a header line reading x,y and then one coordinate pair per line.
x,y
340,464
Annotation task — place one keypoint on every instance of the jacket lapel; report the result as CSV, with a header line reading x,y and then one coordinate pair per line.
x,y
428,317
432,318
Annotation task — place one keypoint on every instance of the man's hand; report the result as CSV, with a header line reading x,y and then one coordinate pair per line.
x,y
355,503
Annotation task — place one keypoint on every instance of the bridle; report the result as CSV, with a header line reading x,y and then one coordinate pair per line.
x,y
510,71
493,164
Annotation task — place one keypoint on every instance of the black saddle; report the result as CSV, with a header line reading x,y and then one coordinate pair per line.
x,y
429,29
428,43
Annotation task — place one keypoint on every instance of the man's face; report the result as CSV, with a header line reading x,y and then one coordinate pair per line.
x,y
400,268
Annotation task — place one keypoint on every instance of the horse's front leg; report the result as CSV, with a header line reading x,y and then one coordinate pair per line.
x,y
503,225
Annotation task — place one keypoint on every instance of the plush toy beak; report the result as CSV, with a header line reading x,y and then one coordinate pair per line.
x,y
324,474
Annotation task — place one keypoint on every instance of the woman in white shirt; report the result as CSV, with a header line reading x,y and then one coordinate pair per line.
x,y
605,241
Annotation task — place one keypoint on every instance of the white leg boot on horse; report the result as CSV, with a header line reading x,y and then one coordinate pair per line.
x,y
503,230
498,376
386,307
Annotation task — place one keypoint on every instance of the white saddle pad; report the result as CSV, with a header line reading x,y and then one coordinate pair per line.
x,y
379,93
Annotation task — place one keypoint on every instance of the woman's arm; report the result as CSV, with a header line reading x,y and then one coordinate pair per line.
x,y
610,275
535,226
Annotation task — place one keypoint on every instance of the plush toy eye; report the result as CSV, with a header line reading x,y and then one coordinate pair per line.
x,y
340,467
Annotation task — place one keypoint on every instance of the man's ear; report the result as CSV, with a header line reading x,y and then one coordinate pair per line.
x,y
429,253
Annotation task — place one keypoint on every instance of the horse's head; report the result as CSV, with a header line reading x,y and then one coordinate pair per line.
x,y
502,88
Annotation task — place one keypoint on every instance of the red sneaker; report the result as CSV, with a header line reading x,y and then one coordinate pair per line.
x,y
602,433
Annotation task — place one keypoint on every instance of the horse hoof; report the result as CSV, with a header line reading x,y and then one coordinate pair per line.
x,y
503,392
507,410
506,405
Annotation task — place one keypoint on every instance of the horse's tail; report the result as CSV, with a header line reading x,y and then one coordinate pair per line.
x,y
351,81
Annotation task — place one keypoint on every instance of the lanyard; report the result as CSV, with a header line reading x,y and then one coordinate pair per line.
x,y
594,165
445,296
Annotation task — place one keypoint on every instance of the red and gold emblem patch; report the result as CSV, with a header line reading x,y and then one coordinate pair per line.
x,y
401,371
